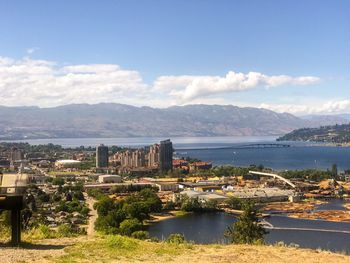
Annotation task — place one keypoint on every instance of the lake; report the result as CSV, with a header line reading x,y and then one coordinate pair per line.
x,y
209,228
299,156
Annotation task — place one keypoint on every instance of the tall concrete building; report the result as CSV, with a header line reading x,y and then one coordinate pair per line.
x,y
166,156
138,158
101,156
153,156
16,154
126,160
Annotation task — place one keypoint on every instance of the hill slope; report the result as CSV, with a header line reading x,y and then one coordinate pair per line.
x,y
331,134
123,249
119,120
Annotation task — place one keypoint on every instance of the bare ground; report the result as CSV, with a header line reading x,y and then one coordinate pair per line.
x,y
97,249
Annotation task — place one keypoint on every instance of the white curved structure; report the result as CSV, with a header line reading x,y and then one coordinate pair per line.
x,y
274,176
67,164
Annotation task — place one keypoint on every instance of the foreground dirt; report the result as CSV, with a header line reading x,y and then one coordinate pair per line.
x,y
120,249
36,251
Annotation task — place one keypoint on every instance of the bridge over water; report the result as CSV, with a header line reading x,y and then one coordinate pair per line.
x,y
242,146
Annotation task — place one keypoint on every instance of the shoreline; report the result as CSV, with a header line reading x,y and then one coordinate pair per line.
x,y
304,211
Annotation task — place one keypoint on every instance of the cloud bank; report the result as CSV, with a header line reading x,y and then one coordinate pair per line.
x,y
28,82
187,88
327,107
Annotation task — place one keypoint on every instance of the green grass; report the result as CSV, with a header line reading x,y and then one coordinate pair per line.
x,y
182,213
120,247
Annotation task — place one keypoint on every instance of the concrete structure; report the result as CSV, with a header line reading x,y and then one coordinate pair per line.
x,y
16,154
138,159
109,178
167,186
153,156
166,156
131,159
260,194
274,176
64,164
111,185
205,186
202,196
101,156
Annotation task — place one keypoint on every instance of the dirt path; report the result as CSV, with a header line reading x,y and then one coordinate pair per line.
x,y
35,252
92,216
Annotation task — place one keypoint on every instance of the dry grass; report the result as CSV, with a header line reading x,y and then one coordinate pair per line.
x,y
123,249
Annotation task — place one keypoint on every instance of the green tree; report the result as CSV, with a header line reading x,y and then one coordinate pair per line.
x,y
334,171
234,203
129,226
190,204
246,230
58,181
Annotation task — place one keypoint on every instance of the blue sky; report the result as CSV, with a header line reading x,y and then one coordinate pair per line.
x,y
162,53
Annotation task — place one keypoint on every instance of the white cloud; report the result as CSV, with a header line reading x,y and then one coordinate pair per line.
x,y
327,107
45,83
39,82
187,88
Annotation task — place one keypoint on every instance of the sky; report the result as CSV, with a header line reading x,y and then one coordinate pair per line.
x,y
287,56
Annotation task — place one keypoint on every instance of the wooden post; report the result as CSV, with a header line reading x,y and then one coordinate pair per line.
x,y
16,227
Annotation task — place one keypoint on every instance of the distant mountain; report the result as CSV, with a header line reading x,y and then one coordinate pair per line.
x,y
328,119
332,134
344,116
119,120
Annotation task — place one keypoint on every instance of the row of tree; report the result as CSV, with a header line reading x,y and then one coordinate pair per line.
x,y
126,216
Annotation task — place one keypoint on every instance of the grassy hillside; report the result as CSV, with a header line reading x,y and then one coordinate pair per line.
x,y
124,249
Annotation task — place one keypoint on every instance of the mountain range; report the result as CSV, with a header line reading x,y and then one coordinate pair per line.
x,y
120,120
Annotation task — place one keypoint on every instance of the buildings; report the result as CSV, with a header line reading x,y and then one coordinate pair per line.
x,y
200,166
64,164
102,156
153,156
157,156
109,178
166,156
16,154
131,159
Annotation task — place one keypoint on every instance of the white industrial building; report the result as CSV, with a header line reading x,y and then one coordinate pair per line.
x,y
109,178
62,164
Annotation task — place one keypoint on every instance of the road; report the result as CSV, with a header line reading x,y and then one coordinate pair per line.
x,y
92,215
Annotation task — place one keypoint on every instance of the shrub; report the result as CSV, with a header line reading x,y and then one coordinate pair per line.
x,y
122,242
140,235
65,230
176,239
42,232
128,226
169,205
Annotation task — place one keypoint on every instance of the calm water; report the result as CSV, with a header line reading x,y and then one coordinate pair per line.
x,y
299,156
210,228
